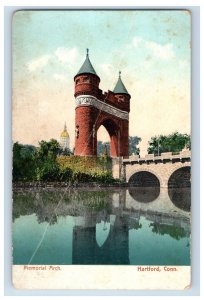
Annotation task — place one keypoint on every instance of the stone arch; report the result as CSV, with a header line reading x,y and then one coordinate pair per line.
x,y
144,179
144,169
177,166
179,188
175,173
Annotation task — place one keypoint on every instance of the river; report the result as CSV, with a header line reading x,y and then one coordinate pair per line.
x,y
105,226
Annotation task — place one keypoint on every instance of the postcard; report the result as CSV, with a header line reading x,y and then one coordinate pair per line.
x,y
101,130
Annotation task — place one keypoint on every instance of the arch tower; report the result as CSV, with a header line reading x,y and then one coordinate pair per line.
x,y
95,108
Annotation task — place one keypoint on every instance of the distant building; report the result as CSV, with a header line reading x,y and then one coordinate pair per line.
x,y
64,138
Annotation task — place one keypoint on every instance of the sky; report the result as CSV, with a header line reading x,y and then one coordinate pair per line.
x,y
152,49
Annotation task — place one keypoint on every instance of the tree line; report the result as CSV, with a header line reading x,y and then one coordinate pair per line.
x,y
40,163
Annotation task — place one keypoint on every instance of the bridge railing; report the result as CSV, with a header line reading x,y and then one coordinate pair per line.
x,y
162,156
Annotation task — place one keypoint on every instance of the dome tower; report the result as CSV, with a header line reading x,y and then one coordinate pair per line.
x,y
64,138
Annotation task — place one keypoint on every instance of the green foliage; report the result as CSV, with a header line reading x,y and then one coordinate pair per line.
x,y
47,167
66,152
101,146
24,161
87,169
133,142
174,142
48,150
44,164
48,171
90,165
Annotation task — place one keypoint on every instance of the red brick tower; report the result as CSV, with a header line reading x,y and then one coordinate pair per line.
x,y
95,108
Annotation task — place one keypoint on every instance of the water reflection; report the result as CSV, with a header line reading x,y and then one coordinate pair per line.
x,y
175,232
97,227
115,249
144,195
181,197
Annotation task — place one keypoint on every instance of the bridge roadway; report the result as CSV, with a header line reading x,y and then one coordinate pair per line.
x,y
162,166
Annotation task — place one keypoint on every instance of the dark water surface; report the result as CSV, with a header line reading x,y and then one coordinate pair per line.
x,y
139,226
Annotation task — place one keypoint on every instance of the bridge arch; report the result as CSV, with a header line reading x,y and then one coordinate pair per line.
x,y
144,179
144,186
162,171
179,174
179,188
144,169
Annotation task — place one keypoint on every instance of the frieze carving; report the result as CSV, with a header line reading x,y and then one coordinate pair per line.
x,y
93,101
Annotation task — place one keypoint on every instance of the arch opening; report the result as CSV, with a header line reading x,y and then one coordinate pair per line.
x,y
103,139
107,126
144,179
180,178
179,188
144,187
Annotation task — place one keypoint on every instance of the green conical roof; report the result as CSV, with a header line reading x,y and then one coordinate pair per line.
x,y
120,88
87,66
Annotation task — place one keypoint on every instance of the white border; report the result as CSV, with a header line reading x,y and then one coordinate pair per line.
x,y
107,3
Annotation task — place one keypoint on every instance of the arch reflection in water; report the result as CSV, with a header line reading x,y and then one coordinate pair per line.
x,y
95,233
114,249
179,188
144,187
144,194
181,197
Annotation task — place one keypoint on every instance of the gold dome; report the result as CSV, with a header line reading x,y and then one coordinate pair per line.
x,y
64,133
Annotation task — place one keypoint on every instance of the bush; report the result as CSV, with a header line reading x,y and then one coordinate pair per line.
x,y
49,171
43,164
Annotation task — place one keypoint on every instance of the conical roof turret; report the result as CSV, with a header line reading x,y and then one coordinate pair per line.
x,y
87,67
120,87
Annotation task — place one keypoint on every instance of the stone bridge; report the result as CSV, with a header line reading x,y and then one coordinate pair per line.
x,y
162,167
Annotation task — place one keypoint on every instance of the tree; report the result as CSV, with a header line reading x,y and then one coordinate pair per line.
x,y
133,142
24,161
47,166
174,142
48,150
66,152
101,146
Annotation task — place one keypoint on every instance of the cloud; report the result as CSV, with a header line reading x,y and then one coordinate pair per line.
x,y
38,63
163,52
107,68
60,55
60,77
65,55
137,41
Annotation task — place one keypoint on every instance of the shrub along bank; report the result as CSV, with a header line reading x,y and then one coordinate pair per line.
x,y
44,164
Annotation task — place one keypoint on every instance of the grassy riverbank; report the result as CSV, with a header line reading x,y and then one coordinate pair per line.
x,y
44,164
